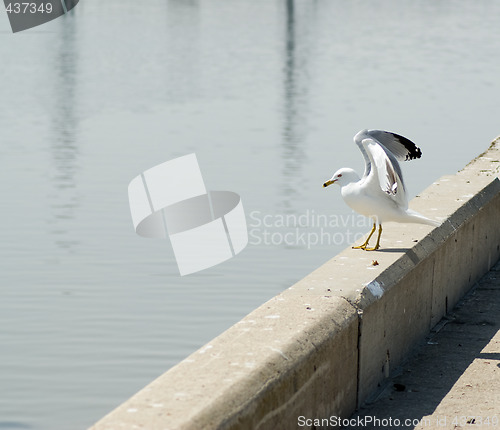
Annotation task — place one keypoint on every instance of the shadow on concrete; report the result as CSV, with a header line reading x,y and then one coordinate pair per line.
x,y
400,250
422,384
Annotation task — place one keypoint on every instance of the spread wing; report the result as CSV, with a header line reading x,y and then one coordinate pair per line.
x,y
386,173
383,149
397,148
402,148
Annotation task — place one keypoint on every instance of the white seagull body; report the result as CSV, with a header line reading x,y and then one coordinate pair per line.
x,y
380,194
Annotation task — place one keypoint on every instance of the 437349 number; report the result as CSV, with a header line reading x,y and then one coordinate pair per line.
x,y
29,8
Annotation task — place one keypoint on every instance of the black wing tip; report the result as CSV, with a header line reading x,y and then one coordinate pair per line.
x,y
413,150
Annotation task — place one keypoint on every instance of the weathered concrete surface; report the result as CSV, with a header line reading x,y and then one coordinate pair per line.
x,y
324,345
447,263
294,355
452,381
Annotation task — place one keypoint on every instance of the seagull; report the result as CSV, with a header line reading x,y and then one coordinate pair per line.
x,y
380,194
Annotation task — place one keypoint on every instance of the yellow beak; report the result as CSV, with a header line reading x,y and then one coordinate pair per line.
x,y
329,182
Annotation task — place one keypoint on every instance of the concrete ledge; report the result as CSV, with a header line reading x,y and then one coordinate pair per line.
x,y
323,346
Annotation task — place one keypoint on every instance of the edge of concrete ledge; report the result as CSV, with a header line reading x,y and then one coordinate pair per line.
x,y
321,347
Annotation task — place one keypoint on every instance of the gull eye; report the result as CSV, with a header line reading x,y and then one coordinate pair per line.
x,y
339,175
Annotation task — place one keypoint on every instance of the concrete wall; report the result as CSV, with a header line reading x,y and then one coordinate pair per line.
x,y
323,346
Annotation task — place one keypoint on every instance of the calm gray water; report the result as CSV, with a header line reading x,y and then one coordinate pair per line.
x,y
268,94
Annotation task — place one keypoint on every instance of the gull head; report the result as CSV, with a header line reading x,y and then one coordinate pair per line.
x,y
342,177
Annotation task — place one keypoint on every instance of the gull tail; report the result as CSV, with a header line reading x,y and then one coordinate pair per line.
x,y
413,216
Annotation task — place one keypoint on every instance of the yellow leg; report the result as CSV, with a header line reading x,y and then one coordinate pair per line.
x,y
377,245
365,244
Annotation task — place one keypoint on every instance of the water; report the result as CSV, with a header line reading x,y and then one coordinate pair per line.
x,y
268,94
